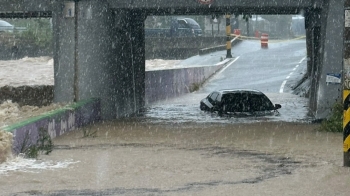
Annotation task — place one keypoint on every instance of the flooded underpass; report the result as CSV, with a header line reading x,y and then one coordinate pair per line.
x,y
174,148
186,109
134,157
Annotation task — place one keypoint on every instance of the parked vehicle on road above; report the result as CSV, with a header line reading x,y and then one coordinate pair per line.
x,y
5,26
179,27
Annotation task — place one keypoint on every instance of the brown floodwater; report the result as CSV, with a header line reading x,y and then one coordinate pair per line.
x,y
135,157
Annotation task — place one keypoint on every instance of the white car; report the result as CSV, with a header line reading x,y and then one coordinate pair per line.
x,y
6,27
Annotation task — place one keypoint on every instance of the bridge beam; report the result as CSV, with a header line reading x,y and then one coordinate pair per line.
x,y
25,5
191,7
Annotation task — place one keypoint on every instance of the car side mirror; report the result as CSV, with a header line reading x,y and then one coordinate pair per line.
x,y
277,106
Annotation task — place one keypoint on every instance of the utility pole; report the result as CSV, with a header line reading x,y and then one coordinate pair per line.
x,y
228,35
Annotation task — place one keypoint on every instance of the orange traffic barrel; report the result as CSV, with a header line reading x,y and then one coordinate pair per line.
x,y
257,34
237,31
264,40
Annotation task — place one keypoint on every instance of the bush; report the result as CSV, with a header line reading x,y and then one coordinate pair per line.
x,y
38,35
194,87
335,122
43,144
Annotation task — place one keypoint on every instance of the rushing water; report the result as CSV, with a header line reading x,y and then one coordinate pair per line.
x,y
5,146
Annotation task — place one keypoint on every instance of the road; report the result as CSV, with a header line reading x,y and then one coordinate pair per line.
x,y
262,69
274,71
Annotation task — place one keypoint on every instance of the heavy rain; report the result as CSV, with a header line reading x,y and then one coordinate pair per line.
x,y
105,99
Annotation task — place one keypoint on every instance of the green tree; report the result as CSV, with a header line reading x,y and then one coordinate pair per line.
x,y
280,25
246,17
37,35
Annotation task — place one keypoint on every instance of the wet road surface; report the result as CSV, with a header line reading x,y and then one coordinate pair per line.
x,y
274,71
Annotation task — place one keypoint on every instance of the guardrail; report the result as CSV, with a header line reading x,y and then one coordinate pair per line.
x,y
203,51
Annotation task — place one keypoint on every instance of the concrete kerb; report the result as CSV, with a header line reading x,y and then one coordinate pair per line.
x,y
56,122
218,48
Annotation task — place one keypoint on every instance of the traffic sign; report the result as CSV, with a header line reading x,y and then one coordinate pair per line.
x,y
205,1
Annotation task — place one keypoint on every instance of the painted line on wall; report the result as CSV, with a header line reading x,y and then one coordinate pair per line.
x,y
290,74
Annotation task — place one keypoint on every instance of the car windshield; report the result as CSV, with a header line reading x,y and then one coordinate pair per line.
x,y
246,102
4,24
192,23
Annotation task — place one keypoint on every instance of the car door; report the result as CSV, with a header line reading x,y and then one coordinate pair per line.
x,y
213,100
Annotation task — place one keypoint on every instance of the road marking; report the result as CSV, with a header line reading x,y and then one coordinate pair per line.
x,y
282,86
290,74
228,65
223,62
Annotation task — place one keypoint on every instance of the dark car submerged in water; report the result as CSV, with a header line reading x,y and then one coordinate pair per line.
x,y
239,102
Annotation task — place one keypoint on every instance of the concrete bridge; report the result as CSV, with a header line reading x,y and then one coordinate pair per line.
x,y
99,45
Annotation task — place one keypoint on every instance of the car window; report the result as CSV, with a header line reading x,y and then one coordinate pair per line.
x,y
182,24
260,103
212,97
233,102
246,102
192,23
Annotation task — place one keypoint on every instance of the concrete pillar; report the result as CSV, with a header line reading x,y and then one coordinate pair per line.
x,y
130,57
331,53
96,66
308,32
85,50
63,53
313,34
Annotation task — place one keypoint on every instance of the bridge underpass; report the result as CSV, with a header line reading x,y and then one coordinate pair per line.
x,y
99,46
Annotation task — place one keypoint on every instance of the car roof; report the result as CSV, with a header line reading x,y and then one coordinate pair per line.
x,y
5,24
228,91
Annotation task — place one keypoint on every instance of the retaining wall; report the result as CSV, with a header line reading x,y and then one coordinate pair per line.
x,y
56,122
164,84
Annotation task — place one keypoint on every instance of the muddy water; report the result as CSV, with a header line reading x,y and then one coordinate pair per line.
x,y
5,146
135,157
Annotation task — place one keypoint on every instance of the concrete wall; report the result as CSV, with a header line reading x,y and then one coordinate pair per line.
x,y
178,47
56,122
165,84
